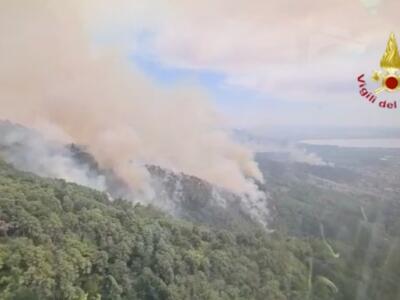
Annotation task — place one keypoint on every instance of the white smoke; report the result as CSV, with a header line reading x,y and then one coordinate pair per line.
x,y
29,151
294,151
301,155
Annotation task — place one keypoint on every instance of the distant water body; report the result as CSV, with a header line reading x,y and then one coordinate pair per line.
x,y
356,143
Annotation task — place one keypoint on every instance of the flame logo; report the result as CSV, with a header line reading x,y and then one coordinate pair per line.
x,y
391,58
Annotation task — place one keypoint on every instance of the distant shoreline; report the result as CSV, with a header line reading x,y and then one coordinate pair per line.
x,y
393,143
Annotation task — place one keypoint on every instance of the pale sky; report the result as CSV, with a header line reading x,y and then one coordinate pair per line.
x,y
263,62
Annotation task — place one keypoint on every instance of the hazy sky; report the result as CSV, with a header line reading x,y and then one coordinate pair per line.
x,y
263,62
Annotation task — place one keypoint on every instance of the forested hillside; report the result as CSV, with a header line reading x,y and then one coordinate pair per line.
x,y
64,241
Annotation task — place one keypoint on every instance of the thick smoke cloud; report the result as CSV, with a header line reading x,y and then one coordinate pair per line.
x,y
53,79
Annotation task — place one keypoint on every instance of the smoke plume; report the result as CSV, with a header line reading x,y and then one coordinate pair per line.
x,y
53,79
295,152
301,155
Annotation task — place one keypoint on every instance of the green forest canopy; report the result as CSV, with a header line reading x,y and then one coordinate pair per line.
x,y
64,241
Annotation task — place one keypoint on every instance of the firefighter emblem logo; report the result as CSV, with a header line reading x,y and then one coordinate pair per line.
x,y
389,75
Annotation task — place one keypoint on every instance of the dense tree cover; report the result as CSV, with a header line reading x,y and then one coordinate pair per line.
x,y
364,230
64,241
